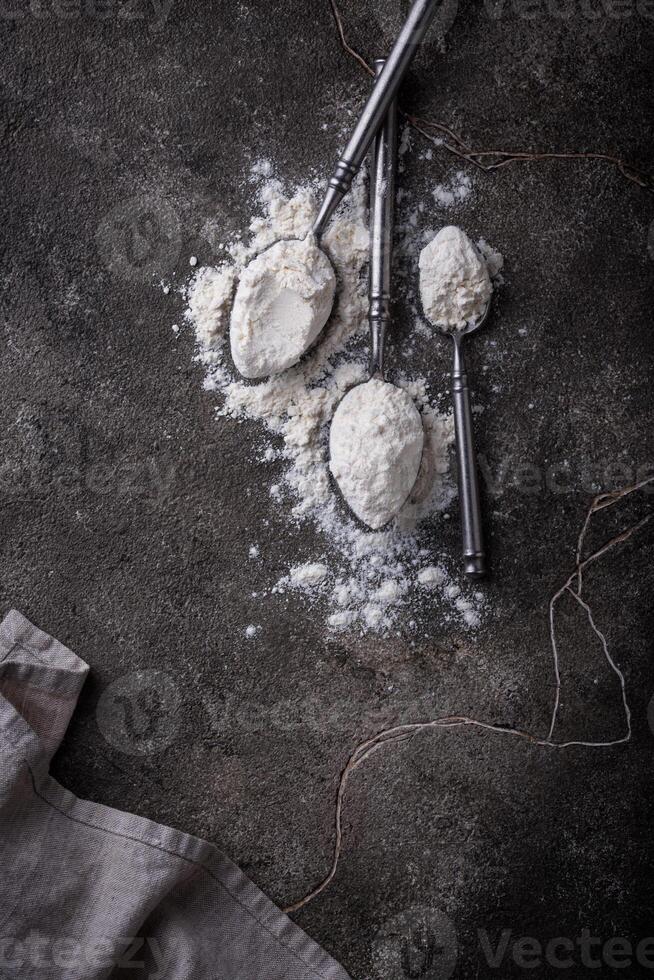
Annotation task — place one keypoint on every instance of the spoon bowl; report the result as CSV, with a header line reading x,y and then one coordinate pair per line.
x,y
389,79
283,301
472,325
376,460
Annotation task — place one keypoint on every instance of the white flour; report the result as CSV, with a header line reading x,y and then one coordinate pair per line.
x,y
309,575
366,580
455,191
494,261
455,285
283,301
432,576
209,304
375,448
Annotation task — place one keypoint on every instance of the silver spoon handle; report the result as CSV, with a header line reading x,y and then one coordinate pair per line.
x,y
473,544
417,23
383,168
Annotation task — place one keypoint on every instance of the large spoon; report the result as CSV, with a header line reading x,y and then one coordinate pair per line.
x,y
376,438
304,295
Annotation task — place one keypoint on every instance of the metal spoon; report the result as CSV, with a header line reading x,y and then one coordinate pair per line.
x,y
382,211
474,555
383,169
375,110
388,82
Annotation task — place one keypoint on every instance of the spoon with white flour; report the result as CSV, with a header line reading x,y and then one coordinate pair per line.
x,y
456,291
285,295
376,436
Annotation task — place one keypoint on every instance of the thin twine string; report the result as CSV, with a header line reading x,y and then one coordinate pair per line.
x,y
402,733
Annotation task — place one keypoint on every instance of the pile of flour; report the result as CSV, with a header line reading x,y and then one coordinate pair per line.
x,y
283,301
455,285
375,448
364,580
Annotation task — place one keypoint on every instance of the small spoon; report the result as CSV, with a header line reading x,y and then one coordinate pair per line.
x,y
384,92
345,456
474,555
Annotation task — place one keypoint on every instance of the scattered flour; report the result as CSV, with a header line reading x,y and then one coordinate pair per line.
x,y
262,168
494,261
368,580
432,576
455,284
455,191
375,446
209,305
284,299
309,575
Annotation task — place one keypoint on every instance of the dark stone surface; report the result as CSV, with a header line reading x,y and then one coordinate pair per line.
x,y
127,510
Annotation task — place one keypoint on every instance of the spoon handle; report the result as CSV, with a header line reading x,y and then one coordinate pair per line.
x,y
474,556
383,167
417,23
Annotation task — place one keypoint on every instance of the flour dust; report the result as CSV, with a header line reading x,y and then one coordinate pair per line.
x,y
364,580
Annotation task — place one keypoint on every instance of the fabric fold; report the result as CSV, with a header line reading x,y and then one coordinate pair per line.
x,y
89,892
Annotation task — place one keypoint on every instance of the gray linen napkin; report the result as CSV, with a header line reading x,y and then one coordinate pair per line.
x,y
87,892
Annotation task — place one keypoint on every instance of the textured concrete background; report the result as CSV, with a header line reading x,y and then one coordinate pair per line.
x,y
127,510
